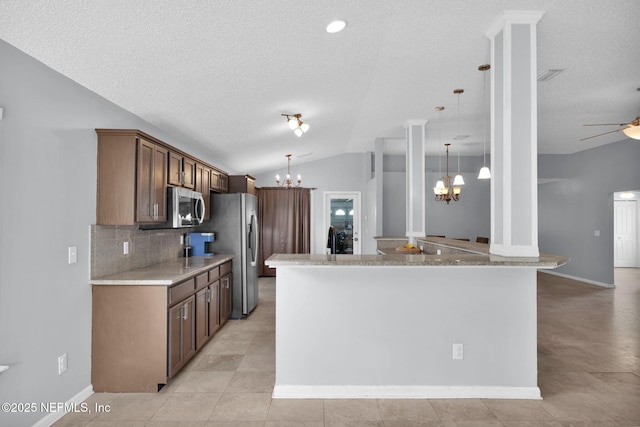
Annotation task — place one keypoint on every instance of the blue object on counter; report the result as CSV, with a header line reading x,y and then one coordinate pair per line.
x,y
201,243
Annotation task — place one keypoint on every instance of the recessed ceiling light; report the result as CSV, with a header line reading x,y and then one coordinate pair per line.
x,y
336,26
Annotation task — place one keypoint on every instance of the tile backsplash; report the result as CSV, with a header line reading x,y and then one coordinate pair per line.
x,y
146,247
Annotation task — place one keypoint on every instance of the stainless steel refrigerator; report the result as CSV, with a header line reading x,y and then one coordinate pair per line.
x,y
234,219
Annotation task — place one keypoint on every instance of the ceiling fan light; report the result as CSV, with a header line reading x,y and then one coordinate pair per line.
x,y
485,173
298,132
632,132
458,180
304,127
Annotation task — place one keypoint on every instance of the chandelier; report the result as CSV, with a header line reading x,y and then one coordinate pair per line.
x,y
445,190
296,124
288,183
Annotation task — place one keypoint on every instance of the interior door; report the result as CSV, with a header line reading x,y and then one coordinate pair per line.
x,y
342,211
625,233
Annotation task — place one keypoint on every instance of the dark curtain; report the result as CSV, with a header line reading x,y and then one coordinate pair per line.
x,y
284,218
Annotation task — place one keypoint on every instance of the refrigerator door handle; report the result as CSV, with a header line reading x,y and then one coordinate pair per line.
x,y
253,240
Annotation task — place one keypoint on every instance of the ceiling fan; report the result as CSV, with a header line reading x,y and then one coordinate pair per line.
x,y
632,129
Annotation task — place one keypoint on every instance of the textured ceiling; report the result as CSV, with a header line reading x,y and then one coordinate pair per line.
x,y
218,74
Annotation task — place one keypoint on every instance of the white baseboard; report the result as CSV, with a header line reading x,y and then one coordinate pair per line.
x,y
76,400
403,392
579,279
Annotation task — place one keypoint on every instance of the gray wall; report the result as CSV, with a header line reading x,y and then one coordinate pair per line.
x,y
571,209
469,217
48,179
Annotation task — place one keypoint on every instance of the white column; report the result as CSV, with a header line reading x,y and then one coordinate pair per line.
x,y
514,136
415,179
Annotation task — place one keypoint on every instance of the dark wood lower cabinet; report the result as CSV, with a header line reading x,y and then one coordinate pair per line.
x,y
182,338
207,313
213,308
142,335
226,298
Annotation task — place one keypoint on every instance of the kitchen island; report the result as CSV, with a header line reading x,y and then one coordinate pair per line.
x,y
461,324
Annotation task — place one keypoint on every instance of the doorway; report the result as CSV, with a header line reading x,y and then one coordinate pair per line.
x,y
342,211
625,230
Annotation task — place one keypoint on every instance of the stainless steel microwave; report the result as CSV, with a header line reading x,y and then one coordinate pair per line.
x,y
186,207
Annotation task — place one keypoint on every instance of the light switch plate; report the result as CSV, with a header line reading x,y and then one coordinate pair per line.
x,y
73,254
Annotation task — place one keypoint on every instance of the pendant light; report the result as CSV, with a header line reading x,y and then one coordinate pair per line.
x,y
446,190
458,180
484,173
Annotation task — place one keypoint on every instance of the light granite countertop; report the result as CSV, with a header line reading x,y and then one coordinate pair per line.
x,y
166,273
467,254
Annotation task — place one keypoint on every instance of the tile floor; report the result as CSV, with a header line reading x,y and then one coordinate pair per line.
x,y
589,374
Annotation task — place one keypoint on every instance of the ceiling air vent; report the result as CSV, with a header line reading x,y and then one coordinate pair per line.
x,y
549,74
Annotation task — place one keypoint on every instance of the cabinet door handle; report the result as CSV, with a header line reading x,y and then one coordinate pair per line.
x,y
182,177
208,294
155,211
185,311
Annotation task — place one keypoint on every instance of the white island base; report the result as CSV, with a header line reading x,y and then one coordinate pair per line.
x,y
389,331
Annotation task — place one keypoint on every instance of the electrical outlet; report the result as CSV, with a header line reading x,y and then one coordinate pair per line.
x,y
62,363
458,351
596,233
73,254
125,248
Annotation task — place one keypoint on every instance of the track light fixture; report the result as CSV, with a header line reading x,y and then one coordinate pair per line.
x,y
296,124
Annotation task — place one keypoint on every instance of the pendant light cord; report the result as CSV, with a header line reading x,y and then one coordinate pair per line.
x,y
484,121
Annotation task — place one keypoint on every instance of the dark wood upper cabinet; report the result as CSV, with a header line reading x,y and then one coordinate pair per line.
x,y
242,184
132,178
182,170
151,188
134,171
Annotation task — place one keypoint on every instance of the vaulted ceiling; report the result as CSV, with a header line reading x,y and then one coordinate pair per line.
x,y
219,73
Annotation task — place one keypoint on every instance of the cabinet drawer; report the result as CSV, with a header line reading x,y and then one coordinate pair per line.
x,y
181,291
225,268
202,280
214,274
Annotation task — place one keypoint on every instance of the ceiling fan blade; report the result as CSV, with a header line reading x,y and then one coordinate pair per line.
x,y
600,134
608,124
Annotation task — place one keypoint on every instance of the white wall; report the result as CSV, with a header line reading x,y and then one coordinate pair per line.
x,y
48,178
